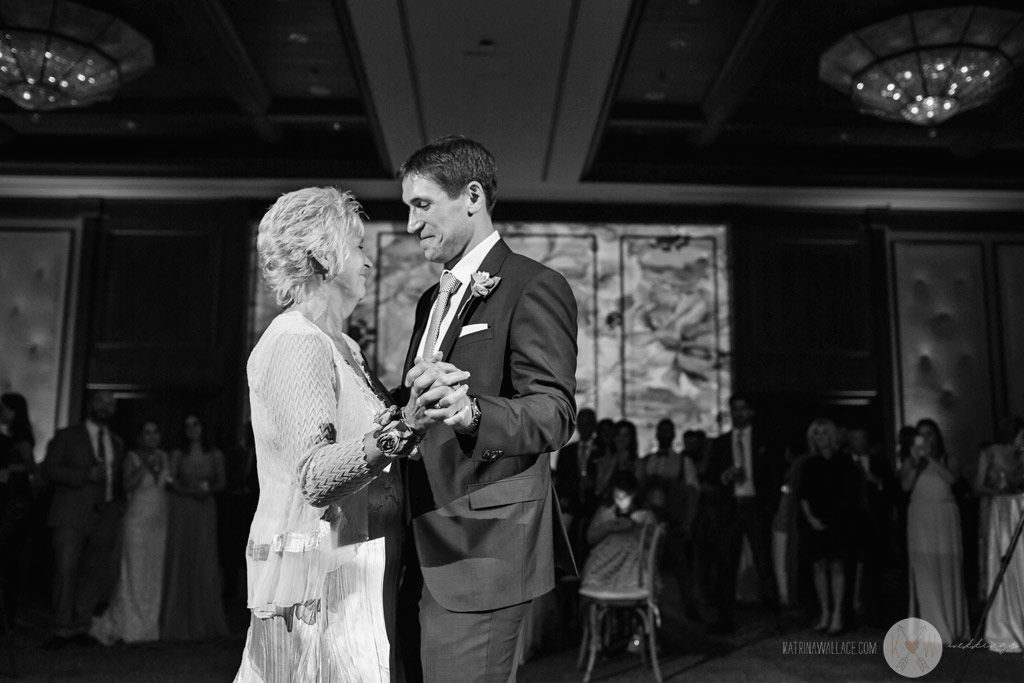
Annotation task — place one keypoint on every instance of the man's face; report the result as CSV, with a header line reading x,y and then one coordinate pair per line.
x,y
439,222
102,406
741,413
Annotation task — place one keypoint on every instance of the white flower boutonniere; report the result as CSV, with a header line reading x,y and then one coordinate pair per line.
x,y
483,284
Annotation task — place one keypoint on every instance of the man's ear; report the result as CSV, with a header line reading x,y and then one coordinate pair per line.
x,y
475,192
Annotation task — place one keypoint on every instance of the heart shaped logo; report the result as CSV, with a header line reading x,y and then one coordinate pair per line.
x,y
912,646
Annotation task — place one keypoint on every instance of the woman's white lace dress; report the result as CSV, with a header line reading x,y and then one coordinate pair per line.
x,y
323,548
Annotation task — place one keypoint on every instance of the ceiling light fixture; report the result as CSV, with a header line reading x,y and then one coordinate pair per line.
x,y
925,67
60,54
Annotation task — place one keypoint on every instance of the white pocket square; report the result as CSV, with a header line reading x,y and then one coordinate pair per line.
x,y
470,329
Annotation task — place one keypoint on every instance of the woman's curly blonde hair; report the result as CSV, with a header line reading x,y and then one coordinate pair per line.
x,y
317,222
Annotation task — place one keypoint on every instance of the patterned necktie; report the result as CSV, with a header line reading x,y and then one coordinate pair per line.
x,y
449,284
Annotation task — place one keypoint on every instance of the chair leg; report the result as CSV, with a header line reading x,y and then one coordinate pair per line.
x,y
595,619
652,640
585,639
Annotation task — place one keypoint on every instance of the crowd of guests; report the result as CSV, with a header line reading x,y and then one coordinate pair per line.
x,y
828,522
136,550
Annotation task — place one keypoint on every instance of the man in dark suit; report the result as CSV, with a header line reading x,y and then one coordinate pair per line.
x,y
571,470
498,336
84,463
746,470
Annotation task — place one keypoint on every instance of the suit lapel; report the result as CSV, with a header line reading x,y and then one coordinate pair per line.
x,y
492,264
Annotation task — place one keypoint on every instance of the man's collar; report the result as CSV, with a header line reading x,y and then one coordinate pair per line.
x,y
470,263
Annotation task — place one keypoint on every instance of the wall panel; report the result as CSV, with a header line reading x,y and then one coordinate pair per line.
x,y
1010,266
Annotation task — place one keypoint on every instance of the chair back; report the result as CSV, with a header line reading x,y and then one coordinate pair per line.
x,y
651,545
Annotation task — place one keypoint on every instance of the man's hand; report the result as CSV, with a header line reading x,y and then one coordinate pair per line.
x,y
436,393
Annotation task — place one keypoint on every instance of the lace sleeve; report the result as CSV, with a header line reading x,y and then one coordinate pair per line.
x,y
302,385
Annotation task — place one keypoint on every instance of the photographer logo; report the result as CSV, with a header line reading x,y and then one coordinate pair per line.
x,y
912,647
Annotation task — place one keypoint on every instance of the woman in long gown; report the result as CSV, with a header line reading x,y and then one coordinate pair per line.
x,y
193,609
1000,480
324,543
134,612
934,545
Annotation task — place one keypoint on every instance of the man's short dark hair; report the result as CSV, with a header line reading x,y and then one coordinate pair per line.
x,y
453,162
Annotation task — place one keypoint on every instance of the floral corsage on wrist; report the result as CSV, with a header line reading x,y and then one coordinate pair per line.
x,y
395,438
483,284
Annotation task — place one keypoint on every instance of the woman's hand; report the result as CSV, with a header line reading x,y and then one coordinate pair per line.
x,y
815,523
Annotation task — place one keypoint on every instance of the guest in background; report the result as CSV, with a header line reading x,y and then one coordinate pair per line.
x,y
669,487
17,472
192,606
704,534
934,543
827,491
994,477
613,535
786,530
746,469
236,505
134,612
876,490
84,462
621,455
1004,626
573,481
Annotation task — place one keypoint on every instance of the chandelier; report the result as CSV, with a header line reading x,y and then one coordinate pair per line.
x,y
925,67
56,54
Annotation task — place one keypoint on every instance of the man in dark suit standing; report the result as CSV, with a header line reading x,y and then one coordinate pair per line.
x,y
498,336
747,471
84,463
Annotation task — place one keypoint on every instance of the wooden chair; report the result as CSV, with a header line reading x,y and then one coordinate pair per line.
x,y
640,600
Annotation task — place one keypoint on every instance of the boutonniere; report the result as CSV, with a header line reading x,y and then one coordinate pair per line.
x,y
483,284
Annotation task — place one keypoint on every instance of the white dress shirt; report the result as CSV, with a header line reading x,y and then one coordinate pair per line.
x,y
463,271
742,457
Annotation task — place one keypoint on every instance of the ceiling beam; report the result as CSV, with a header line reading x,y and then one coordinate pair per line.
x,y
348,37
227,56
382,36
587,75
763,31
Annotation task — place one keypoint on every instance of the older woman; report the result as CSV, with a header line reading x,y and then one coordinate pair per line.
x,y
323,548
934,545
826,489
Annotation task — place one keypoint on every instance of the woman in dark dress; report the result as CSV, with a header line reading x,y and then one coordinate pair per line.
x,y
193,609
827,494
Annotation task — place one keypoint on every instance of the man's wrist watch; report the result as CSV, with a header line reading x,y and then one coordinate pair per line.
x,y
474,420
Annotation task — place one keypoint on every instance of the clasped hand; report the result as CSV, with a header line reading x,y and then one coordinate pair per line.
x,y
437,393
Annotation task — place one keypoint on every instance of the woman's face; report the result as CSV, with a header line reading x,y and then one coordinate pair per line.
x,y
822,439
193,429
622,499
6,414
355,269
928,437
150,435
622,439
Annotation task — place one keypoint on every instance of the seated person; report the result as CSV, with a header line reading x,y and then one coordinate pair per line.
x,y
614,536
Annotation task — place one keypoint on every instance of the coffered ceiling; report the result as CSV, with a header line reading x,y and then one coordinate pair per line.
x,y
586,100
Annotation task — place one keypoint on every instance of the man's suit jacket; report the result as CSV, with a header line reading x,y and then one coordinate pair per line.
x,y
767,472
483,515
78,502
